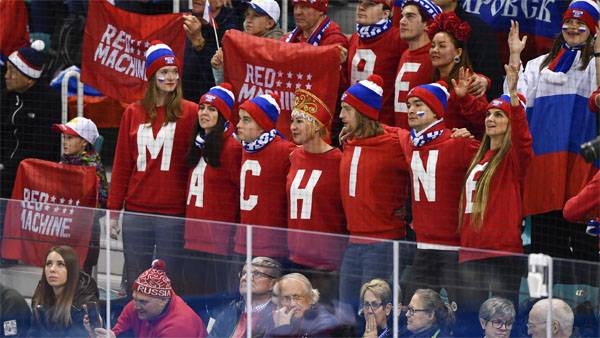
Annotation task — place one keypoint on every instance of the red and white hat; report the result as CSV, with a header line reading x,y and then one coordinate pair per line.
x,y
79,126
585,10
29,60
159,55
366,96
434,95
154,281
264,109
320,5
503,103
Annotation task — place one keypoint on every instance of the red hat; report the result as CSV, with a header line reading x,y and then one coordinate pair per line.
x,y
435,95
221,97
366,96
159,55
308,103
264,109
154,281
503,103
585,10
320,5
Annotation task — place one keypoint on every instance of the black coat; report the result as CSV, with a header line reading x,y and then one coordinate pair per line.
x,y
316,322
87,291
228,319
25,129
15,315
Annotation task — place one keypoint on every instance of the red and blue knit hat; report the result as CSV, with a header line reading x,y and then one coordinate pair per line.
x,y
428,7
503,103
221,97
366,96
320,5
584,10
29,60
264,109
159,55
435,95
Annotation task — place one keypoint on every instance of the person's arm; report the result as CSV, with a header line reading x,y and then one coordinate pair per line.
x,y
515,44
193,29
586,204
520,134
597,60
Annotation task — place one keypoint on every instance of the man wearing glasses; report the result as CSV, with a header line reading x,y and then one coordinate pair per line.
x,y
562,319
232,321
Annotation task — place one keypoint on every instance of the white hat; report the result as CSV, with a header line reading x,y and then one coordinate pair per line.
x,y
266,7
79,126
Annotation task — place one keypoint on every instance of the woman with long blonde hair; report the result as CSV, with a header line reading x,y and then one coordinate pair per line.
x,y
491,206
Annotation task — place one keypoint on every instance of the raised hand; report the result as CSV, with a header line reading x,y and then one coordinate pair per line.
x,y
371,327
217,60
461,87
515,44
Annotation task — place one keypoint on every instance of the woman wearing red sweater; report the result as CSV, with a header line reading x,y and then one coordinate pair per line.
x,y
313,191
374,188
451,63
212,193
149,171
491,205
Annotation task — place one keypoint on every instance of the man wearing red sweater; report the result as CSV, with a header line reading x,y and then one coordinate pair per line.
x,y
415,66
156,311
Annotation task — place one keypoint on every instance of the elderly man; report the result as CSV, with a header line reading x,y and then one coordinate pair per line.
x,y
562,319
156,311
231,322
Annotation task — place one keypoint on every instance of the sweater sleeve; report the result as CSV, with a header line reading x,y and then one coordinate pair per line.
x,y
124,321
473,109
586,204
522,149
123,164
592,101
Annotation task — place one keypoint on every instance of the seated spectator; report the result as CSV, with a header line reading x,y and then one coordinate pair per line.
x,y
155,311
60,295
428,315
376,300
80,135
261,20
298,313
497,316
15,315
231,322
562,319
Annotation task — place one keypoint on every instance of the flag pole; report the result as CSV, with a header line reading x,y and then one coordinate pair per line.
x,y
212,20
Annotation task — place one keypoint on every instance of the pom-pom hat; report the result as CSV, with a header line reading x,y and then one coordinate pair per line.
x,y
79,126
503,103
29,60
434,95
308,103
221,97
159,55
366,96
264,109
428,7
154,281
584,10
320,5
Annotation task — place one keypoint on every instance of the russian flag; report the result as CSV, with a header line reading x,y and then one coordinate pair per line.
x,y
208,15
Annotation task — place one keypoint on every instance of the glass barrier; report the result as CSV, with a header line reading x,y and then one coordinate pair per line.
x,y
339,285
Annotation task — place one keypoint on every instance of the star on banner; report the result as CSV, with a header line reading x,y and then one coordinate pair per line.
x,y
309,76
279,74
62,200
308,86
298,85
289,75
53,199
299,76
289,84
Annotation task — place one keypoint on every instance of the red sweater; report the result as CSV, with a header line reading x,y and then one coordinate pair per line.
x,y
377,56
592,101
314,204
586,204
437,173
414,69
466,112
155,181
374,184
213,194
501,228
263,198
178,320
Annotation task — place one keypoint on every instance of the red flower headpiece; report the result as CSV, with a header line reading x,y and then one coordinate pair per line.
x,y
450,23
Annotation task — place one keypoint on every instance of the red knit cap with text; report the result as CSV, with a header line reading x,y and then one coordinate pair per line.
x,y
154,281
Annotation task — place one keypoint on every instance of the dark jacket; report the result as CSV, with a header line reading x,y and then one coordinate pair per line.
x,y
228,319
87,291
433,332
316,322
25,130
197,72
15,316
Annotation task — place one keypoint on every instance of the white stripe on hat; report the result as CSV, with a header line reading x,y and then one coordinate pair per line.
x,y
16,59
272,101
444,89
372,86
227,91
153,48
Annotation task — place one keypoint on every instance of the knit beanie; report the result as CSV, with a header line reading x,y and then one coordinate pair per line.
x,y
221,97
435,95
366,96
308,103
29,60
503,103
264,109
320,5
427,6
584,10
154,281
159,55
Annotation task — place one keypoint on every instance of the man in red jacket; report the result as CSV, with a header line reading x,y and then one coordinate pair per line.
x,y
156,311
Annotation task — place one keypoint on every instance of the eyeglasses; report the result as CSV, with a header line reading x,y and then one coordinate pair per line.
x,y
256,274
373,305
498,324
288,299
410,311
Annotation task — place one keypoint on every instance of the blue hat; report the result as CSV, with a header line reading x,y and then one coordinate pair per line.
x,y
435,95
585,10
264,109
427,5
221,97
159,55
366,96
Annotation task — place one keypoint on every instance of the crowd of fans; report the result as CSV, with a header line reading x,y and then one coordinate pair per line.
x,y
422,146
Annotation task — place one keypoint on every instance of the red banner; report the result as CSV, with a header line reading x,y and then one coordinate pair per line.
x,y
13,30
48,211
256,66
114,44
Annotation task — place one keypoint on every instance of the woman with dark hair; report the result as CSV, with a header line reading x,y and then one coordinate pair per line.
x,y
60,296
450,59
428,316
149,171
212,193
491,206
